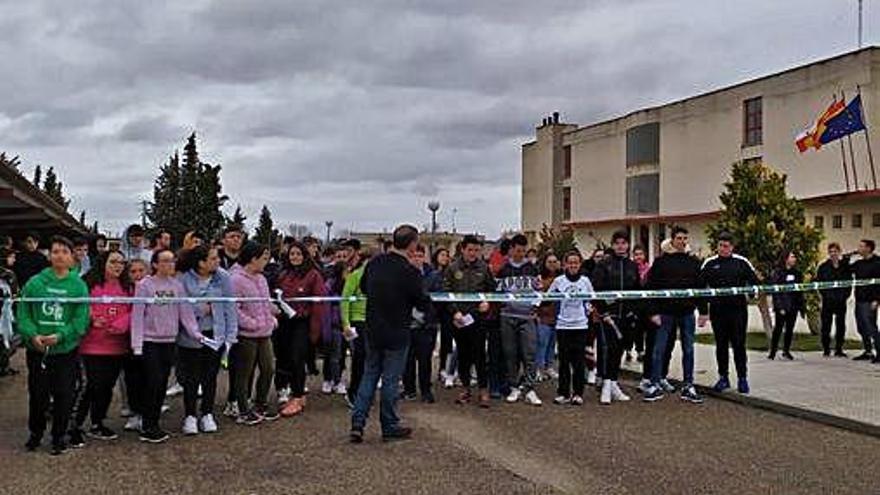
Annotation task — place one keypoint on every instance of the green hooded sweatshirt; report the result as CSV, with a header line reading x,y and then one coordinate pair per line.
x,y
68,321
353,312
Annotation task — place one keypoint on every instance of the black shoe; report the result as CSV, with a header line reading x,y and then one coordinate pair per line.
x,y
787,355
839,353
653,394
876,360
356,435
268,414
101,432
33,442
865,356
690,394
154,435
76,439
250,418
59,448
826,353
772,355
428,398
401,433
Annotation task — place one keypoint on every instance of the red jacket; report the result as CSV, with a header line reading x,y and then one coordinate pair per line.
x,y
308,285
113,337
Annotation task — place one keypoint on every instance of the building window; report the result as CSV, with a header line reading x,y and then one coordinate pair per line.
x,y
643,194
819,222
837,222
566,203
875,220
752,119
643,144
566,162
857,221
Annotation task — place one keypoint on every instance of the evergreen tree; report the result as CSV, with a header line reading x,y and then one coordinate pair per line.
x,y
38,175
266,233
95,227
50,183
164,210
82,217
238,219
764,221
12,163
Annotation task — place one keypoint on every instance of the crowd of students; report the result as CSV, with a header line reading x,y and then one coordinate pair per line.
x,y
78,355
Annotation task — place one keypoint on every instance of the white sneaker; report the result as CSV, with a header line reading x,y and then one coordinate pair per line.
x,y
605,396
561,400
231,410
591,377
644,385
617,394
514,395
283,395
539,376
190,426
553,374
305,389
341,388
165,408
379,385
442,375
207,424
327,388
474,382
532,398
134,423
666,386
173,390
449,382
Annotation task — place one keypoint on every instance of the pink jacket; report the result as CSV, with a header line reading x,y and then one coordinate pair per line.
x,y
112,337
255,319
159,322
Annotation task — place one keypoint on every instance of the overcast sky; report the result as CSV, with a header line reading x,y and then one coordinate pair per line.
x,y
361,111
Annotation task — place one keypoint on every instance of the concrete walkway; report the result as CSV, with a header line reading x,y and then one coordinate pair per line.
x,y
832,390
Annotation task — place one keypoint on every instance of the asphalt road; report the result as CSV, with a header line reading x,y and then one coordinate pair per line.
x,y
669,447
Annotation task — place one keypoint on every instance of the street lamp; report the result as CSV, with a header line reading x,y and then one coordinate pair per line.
x,y
329,224
433,206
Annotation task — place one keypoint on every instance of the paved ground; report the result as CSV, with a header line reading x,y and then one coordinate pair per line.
x,y
669,447
834,386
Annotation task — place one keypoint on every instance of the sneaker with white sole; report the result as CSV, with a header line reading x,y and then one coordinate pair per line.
x,y
449,382
591,377
617,394
644,385
173,390
552,373
340,388
605,395
577,400
283,395
514,395
165,408
231,410
690,394
207,424
134,423
190,426
666,386
561,400
532,398
653,394
327,388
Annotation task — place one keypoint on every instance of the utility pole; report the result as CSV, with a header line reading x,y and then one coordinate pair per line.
x,y
329,224
433,206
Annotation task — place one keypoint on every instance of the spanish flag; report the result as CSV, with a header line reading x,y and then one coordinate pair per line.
x,y
811,137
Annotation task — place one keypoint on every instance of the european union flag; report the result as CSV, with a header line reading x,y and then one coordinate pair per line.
x,y
846,122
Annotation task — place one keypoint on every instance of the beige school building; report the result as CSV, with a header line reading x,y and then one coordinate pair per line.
x,y
663,166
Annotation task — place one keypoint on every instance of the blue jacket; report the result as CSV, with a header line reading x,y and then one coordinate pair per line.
x,y
223,318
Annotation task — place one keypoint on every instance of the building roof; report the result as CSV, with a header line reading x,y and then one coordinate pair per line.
x,y
24,207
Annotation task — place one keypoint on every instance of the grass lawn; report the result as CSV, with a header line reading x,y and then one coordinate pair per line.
x,y
757,341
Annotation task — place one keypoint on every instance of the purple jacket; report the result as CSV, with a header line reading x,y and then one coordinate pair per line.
x,y
255,319
160,322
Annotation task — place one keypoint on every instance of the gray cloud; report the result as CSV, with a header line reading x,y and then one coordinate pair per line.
x,y
362,111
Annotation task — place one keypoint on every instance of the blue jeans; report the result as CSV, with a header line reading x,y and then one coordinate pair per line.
x,y
546,347
687,328
389,365
866,323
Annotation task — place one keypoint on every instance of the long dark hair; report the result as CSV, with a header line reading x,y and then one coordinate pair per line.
x,y
190,258
783,259
307,264
436,256
545,272
95,276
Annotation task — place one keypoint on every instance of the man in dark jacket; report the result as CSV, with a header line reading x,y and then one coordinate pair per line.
x,y
867,298
30,261
615,273
835,268
424,335
393,287
675,270
470,274
729,314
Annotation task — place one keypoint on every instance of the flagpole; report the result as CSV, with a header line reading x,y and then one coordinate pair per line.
x,y
852,156
842,153
867,137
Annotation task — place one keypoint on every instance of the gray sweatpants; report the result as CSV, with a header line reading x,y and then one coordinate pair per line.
x,y
518,342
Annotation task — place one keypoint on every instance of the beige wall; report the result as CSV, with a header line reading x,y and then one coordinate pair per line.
x,y
699,140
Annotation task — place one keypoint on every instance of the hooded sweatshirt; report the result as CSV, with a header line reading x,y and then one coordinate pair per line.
x,y
675,270
221,322
519,278
132,252
304,283
160,322
68,321
113,338
353,312
255,319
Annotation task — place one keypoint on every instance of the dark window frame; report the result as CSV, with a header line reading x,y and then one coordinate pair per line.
x,y
643,144
837,221
566,162
566,203
856,220
819,222
875,220
753,122
643,194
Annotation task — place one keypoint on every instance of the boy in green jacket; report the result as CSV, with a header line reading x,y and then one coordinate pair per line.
x,y
51,332
354,315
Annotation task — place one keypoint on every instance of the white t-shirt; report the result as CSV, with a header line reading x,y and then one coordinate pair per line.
x,y
573,314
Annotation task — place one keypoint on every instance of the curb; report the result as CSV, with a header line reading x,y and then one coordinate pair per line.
x,y
780,408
